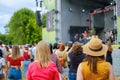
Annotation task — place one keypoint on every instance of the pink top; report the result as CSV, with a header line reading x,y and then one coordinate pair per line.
x,y
37,73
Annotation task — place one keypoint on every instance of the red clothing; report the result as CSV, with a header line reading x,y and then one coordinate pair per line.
x,y
37,73
26,55
16,62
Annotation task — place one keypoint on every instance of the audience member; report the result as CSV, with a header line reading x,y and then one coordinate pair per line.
x,y
109,53
2,65
42,68
27,58
62,56
94,66
54,58
75,56
15,63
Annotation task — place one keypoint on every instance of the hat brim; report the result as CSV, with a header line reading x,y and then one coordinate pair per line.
x,y
101,52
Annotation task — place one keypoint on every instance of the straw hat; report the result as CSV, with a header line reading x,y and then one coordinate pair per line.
x,y
95,47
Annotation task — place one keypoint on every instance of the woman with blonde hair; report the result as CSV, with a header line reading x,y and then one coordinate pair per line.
x,y
15,63
94,67
42,68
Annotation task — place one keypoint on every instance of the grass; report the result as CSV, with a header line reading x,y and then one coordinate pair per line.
x,y
116,46
117,78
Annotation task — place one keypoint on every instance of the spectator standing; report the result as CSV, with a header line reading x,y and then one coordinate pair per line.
x,y
27,59
42,68
2,48
54,58
94,66
62,56
2,65
55,47
15,63
75,56
109,53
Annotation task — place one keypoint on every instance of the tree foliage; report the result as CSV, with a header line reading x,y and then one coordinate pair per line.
x,y
44,20
4,37
23,28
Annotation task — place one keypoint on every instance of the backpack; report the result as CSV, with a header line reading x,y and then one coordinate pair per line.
x,y
62,61
61,58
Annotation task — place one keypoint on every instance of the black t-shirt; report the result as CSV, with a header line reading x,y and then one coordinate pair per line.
x,y
75,60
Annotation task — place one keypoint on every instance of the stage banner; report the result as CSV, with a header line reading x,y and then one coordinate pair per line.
x,y
50,21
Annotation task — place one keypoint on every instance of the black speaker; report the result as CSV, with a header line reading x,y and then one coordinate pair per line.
x,y
114,17
38,18
114,31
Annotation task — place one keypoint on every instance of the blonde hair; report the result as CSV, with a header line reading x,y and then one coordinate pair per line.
x,y
43,53
15,52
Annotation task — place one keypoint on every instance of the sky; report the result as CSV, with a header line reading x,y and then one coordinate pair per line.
x,y
8,7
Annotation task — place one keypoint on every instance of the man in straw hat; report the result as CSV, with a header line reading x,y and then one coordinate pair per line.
x,y
94,66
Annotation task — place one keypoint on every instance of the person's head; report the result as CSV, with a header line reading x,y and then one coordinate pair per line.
x,y
42,54
15,52
7,49
10,46
26,47
51,50
95,51
70,44
55,46
61,47
76,47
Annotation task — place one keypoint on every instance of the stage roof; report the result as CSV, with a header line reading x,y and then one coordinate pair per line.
x,y
92,3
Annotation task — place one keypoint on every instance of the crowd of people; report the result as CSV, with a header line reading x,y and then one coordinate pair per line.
x,y
45,61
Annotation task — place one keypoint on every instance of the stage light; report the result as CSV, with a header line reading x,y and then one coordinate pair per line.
x,y
83,10
70,9
113,3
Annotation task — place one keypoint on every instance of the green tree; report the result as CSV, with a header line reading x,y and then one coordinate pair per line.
x,y
3,37
23,28
44,20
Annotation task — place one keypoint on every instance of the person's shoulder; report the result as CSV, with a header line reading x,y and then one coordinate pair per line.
x,y
53,54
83,54
52,66
33,64
10,56
52,63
